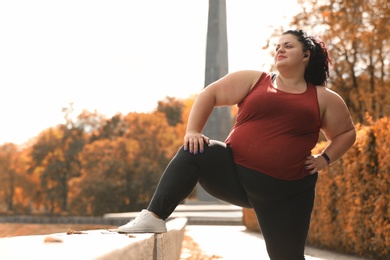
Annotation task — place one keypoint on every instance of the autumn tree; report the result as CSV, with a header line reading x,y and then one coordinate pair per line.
x,y
55,159
110,129
93,165
157,143
8,154
177,112
17,189
91,122
173,110
357,33
122,163
106,165
103,164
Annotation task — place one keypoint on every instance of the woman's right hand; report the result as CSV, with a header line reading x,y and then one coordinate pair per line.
x,y
194,142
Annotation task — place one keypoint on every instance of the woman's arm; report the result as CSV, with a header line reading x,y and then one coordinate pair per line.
x,y
226,91
337,127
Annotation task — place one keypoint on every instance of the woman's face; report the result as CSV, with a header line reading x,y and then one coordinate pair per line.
x,y
289,52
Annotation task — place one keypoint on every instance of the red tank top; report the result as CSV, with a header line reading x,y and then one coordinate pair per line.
x,y
275,131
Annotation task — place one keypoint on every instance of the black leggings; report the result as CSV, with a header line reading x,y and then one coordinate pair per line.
x,y
283,208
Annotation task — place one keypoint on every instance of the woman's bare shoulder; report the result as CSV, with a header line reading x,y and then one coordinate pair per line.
x,y
328,95
249,76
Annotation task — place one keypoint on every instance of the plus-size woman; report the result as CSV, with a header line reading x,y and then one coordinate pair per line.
x,y
266,162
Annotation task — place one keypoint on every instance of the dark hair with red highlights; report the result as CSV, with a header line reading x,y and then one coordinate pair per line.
x,y
317,71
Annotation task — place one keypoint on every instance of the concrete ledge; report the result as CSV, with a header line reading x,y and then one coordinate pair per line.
x,y
98,244
203,214
169,244
196,214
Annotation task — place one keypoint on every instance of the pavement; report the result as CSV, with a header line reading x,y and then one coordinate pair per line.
x,y
218,230
236,242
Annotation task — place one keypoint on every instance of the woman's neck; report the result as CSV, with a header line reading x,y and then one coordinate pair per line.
x,y
290,84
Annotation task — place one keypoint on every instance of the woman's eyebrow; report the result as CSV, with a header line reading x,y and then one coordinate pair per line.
x,y
285,43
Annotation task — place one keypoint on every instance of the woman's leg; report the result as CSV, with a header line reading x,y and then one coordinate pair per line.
x,y
214,169
283,209
285,225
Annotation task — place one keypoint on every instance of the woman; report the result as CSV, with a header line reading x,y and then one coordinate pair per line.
x,y
266,162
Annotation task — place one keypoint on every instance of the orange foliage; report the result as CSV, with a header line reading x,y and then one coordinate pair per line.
x,y
16,187
356,34
351,211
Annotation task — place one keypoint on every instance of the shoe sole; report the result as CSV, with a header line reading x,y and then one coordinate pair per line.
x,y
142,231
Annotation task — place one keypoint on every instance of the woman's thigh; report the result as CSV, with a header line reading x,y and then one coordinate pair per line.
x,y
218,175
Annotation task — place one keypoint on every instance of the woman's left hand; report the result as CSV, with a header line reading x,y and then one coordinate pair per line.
x,y
315,163
195,142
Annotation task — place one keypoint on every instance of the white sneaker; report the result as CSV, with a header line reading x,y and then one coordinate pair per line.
x,y
145,222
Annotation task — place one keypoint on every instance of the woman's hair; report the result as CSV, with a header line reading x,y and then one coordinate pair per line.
x,y
317,71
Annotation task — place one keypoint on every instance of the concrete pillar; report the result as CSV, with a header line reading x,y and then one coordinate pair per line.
x,y
220,122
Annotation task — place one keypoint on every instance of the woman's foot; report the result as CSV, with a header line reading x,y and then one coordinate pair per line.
x,y
145,222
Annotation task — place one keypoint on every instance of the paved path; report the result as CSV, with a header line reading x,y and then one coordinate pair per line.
x,y
218,230
235,242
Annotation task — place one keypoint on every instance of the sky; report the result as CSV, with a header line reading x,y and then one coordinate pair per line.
x,y
116,56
